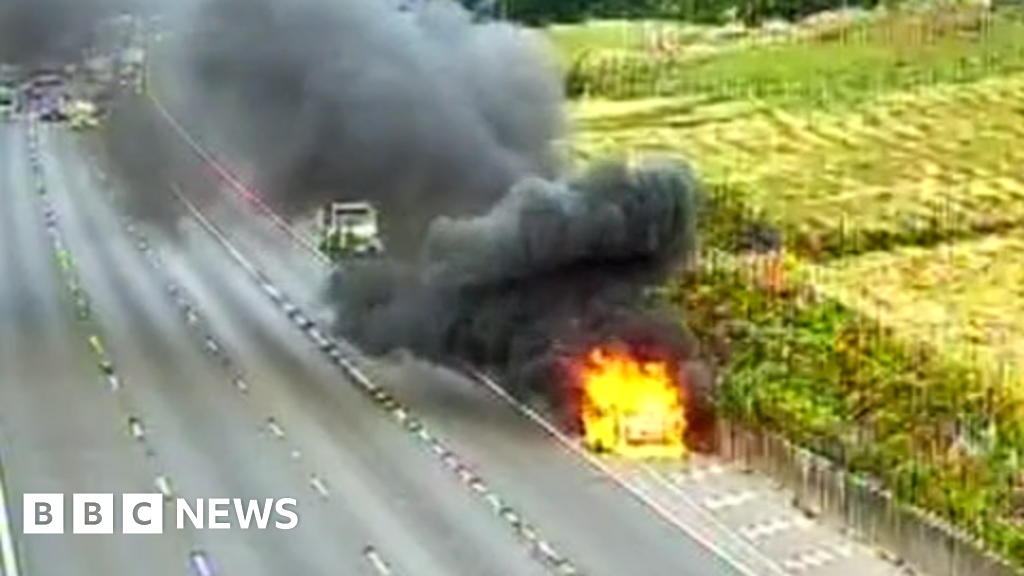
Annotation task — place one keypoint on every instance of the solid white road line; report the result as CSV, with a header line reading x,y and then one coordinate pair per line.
x,y
8,560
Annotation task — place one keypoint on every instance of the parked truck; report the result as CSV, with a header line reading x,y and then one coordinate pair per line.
x,y
349,229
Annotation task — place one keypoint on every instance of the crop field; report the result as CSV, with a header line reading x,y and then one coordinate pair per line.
x,y
966,299
936,163
888,155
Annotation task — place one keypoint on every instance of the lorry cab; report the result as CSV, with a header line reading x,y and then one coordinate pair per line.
x,y
350,229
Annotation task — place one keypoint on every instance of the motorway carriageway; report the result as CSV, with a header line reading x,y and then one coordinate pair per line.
x,y
272,422
219,394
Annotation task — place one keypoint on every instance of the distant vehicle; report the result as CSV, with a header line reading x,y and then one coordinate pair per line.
x,y
51,108
8,101
349,229
46,81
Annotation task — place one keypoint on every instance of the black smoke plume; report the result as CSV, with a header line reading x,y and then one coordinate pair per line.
x,y
41,32
425,111
553,270
451,127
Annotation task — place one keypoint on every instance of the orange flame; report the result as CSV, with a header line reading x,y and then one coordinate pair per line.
x,y
630,406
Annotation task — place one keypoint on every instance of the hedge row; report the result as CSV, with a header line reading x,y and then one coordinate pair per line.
x,y
835,382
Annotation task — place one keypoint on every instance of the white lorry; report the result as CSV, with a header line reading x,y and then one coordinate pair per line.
x,y
349,229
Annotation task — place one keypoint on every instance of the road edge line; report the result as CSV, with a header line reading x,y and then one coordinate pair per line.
x,y
8,556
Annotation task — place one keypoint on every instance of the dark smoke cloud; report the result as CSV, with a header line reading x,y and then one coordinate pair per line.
x,y
451,127
552,270
34,32
145,169
424,112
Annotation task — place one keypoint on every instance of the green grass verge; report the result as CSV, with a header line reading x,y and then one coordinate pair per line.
x,y
844,68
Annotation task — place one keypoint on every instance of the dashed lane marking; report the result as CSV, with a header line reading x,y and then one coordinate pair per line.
x,y
817,557
700,474
377,561
201,564
730,500
318,484
760,531
70,274
163,484
136,428
275,428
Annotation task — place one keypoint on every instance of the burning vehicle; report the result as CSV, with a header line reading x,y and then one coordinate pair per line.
x,y
630,406
547,292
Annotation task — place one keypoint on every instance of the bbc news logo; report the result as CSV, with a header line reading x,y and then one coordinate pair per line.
x,y
144,513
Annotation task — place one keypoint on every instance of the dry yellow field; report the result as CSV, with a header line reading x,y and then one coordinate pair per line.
x,y
944,155
967,298
941,156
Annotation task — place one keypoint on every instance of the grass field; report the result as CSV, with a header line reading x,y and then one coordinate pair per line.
x,y
889,156
826,67
966,298
937,162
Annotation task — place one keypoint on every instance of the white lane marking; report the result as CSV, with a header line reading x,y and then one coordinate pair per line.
x,y
163,484
231,179
275,428
730,500
201,564
769,528
8,560
136,428
377,561
817,557
319,486
701,474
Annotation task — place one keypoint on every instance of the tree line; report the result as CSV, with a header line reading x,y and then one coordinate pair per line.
x,y
539,12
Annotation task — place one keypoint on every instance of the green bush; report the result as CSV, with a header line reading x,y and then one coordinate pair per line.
x,y
835,382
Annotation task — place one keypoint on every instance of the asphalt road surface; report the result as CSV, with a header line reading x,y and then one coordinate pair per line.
x,y
59,431
273,421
